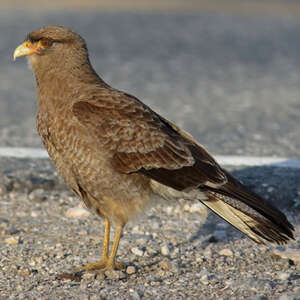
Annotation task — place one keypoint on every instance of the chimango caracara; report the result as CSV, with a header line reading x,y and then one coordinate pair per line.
x,y
116,153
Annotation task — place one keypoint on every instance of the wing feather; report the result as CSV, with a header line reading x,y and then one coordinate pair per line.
x,y
142,141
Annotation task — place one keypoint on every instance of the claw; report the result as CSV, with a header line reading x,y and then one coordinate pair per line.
x,y
102,265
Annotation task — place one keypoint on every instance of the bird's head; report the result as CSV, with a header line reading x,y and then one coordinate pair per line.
x,y
53,47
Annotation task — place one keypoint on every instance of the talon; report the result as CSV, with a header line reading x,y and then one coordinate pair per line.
x,y
102,265
116,265
95,266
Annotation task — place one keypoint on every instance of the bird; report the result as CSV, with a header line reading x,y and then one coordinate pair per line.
x,y
117,154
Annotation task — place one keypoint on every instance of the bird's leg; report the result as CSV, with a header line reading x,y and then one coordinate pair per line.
x,y
106,240
104,257
112,263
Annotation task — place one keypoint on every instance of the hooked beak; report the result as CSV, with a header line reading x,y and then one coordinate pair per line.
x,y
26,49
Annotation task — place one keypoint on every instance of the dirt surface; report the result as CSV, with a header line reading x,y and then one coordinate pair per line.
x,y
176,250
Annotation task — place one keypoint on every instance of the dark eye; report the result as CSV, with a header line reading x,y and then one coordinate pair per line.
x,y
46,43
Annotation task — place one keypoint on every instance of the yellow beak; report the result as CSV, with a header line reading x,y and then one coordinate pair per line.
x,y
25,49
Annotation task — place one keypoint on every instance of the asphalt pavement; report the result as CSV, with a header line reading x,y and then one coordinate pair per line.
x,y
230,80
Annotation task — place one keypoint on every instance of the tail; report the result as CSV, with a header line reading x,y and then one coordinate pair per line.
x,y
248,212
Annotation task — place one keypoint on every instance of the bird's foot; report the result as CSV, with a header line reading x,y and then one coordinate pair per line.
x,y
103,265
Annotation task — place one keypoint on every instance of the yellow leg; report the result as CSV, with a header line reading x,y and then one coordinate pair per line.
x,y
106,240
106,263
101,264
112,263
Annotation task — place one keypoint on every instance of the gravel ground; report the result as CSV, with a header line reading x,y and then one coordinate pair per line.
x,y
177,250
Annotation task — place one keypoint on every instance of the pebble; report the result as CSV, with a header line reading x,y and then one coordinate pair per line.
x,y
38,195
289,296
226,252
165,250
77,212
284,276
169,210
165,265
130,270
34,214
114,274
196,207
88,276
206,278
3,189
207,253
135,295
12,240
137,251
292,254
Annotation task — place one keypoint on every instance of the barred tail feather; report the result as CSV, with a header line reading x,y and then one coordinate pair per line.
x,y
248,212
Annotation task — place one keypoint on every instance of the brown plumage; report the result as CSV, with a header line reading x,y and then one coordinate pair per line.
x,y
116,153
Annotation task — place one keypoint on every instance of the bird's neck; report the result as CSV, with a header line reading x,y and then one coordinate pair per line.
x,y
58,85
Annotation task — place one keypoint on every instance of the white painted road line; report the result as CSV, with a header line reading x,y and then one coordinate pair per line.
x,y
252,161
23,152
225,160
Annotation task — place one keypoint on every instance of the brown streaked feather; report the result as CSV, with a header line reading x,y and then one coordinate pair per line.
x,y
144,142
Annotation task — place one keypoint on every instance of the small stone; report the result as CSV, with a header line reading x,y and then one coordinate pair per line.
x,y
206,278
24,272
38,195
88,276
3,189
12,240
199,260
292,254
226,252
114,274
136,229
130,270
83,285
165,250
100,276
197,207
169,210
151,252
141,241
283,276
165,265
207,253
186,207
34,214
77,212
289,296
155,225
135,295
137,251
